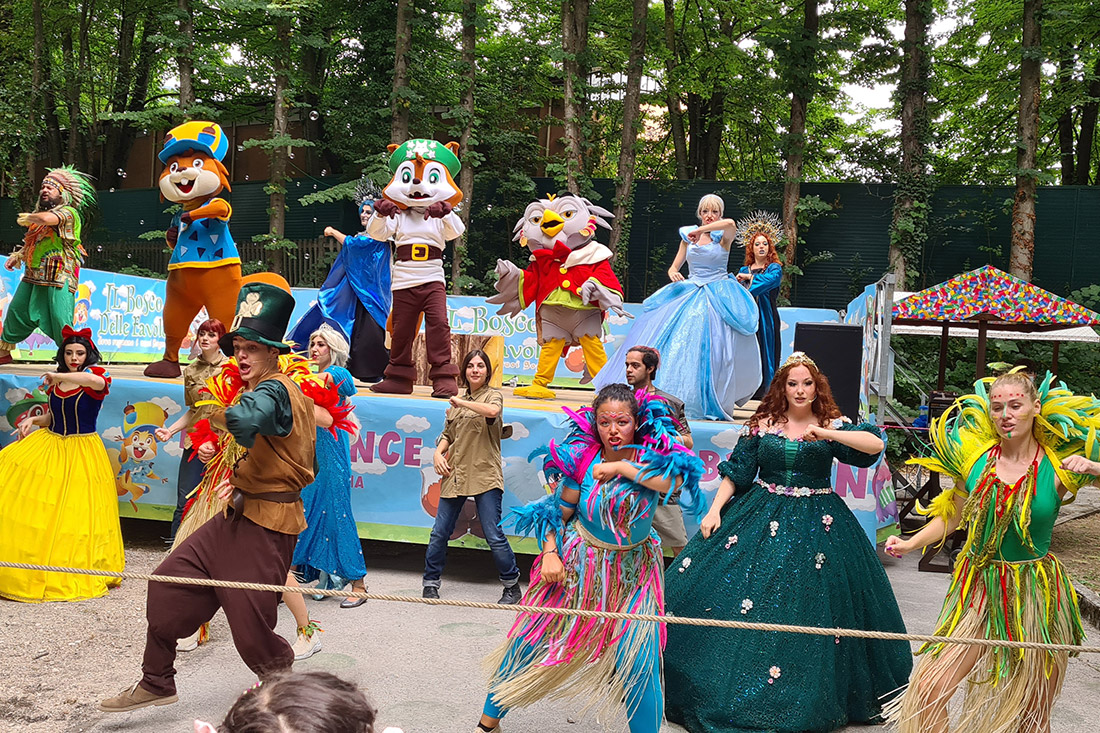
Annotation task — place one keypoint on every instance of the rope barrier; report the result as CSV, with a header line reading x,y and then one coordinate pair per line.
x,y
551,611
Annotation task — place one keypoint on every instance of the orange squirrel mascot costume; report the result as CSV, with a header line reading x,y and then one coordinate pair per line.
x,y
205,268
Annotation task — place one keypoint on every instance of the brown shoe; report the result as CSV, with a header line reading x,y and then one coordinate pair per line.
x,y
133,698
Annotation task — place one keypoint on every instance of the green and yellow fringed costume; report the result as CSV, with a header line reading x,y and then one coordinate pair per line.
x,y
1006,585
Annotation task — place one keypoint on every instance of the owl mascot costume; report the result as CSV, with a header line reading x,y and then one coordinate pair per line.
x,y
569,280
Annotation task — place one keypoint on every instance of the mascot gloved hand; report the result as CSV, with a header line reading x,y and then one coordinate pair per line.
x,y
569,280
205,268
416,212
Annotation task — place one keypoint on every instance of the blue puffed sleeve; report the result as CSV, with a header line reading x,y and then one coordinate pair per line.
x,y
742,465
851,456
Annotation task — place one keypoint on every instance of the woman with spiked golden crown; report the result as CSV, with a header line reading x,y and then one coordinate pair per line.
x,y
762,274
51,256
1016,452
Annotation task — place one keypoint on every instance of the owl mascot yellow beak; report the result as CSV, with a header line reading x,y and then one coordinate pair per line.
x,y
569,280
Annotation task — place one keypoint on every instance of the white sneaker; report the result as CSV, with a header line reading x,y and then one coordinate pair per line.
x,y
308,642
188,644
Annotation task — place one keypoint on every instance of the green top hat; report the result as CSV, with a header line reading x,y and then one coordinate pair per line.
x,y
264,307
428,150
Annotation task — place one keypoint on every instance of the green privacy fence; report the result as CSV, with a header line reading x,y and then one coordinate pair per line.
x,y
970,227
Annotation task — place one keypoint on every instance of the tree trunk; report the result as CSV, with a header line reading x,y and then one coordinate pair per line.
x,y
130,97
276,222
802,91
574,40
909,229
1022,250
43,86
675,116
399,106
466,175
628,148
1083,167
185,56
113,132
72,96
1065,120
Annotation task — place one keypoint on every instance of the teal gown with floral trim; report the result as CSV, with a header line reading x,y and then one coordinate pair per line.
x,y
801,559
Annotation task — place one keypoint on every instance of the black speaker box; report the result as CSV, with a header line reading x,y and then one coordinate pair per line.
x,y
837,349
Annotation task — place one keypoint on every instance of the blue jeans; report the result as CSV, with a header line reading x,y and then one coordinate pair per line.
x,y
488,511
190,474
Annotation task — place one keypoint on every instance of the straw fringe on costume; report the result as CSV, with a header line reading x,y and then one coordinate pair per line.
x,y
1029,600
596,660
599,661
1008,690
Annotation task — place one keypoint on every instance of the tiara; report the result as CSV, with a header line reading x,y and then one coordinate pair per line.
x,y
799,357
760,222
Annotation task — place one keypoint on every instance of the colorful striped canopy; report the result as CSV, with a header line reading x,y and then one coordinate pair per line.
x,y
992,295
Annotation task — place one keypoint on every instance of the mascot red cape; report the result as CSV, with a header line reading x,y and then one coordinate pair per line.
x,y
416,212
205,268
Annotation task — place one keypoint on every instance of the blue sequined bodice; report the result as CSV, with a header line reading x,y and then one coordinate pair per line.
x,y
74,414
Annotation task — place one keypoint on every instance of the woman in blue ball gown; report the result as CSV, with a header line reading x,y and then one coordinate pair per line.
x,y
329,548
704,326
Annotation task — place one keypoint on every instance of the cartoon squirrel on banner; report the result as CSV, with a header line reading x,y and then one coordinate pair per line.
x,y
416,212
569,280
205,268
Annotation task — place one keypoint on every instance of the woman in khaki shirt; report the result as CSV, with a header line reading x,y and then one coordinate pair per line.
x,y
467,457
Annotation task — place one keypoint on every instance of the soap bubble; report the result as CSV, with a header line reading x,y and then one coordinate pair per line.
x,y
314,115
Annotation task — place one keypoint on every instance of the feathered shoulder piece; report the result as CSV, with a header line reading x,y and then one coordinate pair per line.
x,y
1067,424
226,386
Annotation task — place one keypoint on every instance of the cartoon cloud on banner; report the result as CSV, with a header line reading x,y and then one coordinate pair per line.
x,y
205,268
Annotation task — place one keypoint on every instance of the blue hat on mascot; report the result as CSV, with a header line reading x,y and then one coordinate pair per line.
x,y
201,135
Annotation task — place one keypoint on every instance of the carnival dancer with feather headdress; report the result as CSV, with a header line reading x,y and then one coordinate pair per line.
x,y
599,552
1015,453
762,274
780,546
51,256
704,326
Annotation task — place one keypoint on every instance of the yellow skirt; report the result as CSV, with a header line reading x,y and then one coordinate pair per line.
x,y
58,506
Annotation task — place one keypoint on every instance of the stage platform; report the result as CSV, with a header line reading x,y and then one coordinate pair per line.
x,y
394,486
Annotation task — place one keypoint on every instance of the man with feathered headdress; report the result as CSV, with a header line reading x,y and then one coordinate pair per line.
x,y
51,256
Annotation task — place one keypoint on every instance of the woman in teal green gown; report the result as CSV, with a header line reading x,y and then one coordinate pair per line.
x,y
784,549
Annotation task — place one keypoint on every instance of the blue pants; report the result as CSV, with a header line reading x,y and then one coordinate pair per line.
x,y
644,700
488,510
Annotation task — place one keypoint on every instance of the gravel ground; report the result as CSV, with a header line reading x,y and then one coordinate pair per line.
x,y
58,659
1077,545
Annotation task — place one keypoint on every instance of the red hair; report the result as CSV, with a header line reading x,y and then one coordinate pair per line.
x,y
773,255
212,325
773,408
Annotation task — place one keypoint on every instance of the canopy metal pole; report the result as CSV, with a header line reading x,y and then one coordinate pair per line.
x,y
982,326
1054,366
940,381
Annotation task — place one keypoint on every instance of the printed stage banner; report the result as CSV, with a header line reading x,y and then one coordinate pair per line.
x,y
394,488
